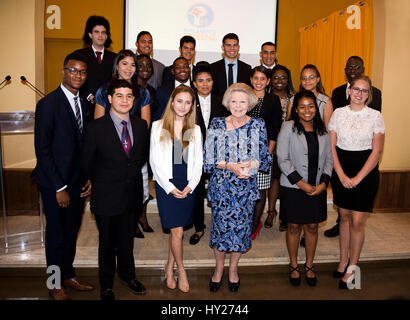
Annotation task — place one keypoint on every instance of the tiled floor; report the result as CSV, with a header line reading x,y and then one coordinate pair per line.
x,y
387,237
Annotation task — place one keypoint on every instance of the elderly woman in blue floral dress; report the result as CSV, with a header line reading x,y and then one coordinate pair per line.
x,y
236,148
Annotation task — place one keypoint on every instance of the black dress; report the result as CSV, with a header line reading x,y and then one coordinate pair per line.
x,y
295,205
176,212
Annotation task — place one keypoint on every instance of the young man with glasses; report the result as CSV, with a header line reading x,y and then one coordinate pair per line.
x,y
354,68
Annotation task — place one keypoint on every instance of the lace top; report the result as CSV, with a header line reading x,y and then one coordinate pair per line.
x,y
355,129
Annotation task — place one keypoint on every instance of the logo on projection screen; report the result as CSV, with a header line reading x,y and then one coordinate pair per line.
x,y
200,15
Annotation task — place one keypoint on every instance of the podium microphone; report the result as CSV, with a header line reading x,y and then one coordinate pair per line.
x,y
23,78
7,78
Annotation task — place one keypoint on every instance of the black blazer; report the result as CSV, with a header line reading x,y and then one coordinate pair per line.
x,y
217,110
57,142
339,98
116,178
271,113
219,76
163,94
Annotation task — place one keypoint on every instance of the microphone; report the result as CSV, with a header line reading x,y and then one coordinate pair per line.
x,y
23,78
7,78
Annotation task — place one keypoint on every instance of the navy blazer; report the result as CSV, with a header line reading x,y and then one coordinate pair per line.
x,y
339,98
116,178
57,142
219,76
292,153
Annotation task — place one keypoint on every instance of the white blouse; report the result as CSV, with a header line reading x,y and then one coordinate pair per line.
x,y
355,129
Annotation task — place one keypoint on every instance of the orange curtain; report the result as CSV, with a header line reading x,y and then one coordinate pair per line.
x,y
329,42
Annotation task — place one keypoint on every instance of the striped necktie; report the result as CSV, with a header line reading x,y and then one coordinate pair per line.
x,y
78,114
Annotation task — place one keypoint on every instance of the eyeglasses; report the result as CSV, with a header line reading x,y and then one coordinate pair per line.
x,y
279,78
75,71
357,90
308,78
351,68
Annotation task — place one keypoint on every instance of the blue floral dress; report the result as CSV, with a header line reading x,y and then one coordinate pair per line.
x,y
233,199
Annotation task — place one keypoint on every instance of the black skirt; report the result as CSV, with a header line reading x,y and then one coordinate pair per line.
x,y
299,208
361,197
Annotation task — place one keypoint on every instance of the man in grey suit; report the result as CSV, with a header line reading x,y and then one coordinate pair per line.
x,y
144,45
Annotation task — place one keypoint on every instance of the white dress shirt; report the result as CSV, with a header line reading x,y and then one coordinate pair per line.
x,y
205,104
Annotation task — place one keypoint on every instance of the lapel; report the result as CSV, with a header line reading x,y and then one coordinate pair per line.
x,y
322,143
199,117
93,58
302,139
66,107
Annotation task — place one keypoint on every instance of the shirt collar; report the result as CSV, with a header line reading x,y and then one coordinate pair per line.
x,y
270,68
117,120
228,62
187,83
68,93
102,51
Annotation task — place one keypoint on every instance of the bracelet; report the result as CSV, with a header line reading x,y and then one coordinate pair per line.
x,y
226,165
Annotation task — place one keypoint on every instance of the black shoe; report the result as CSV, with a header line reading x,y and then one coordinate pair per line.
x,y
332,232
166,231
310,281
294,281
338,274
136,286
283,226
107,295
147,229
302,242
343,285
234,286
214,286
138,234
195,238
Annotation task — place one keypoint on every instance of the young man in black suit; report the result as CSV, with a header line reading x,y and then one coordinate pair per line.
x,y
99,59
58,137
115,149
181,71
230,69
208,106
187,50
354,68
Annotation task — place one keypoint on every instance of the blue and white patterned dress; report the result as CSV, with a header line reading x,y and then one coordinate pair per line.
x,y
233,199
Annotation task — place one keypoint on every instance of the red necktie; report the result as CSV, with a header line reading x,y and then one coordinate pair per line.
x,y
125,138
98,53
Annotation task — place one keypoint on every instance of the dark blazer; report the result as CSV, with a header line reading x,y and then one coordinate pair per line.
x,y
339,98
156,79
217,110
116,178
169,77
271,113
57,142
219,76
162,95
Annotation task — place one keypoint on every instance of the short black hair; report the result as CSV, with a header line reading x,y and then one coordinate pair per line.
x,y
230,36
202,67
73,56
179,58
355,57
187,39
269,43
118,83
93,21
143,33
261,69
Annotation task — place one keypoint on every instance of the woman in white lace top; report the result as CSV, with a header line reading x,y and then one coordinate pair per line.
x,y
357,136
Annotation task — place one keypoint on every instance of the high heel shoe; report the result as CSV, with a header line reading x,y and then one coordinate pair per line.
x,y
147,229
234,286
172,284
338,274
214,286
310,281
270,219
294,281
258,229
183,276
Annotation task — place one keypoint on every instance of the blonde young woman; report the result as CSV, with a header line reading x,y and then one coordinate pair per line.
x,y
176,161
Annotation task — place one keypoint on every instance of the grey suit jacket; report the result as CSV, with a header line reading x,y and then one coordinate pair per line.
x,y
292,155
156,79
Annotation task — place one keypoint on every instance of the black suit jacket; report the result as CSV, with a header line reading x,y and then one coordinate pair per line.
x,y
57,142
219,76
116,178
217,110
97,74
271,113
339,98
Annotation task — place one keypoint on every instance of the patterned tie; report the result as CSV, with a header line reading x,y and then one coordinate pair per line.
x,y
125,138
98,53
78,114
230,74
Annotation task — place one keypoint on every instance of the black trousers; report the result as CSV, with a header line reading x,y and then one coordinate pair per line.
x,y
62,229
115,248
199,206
